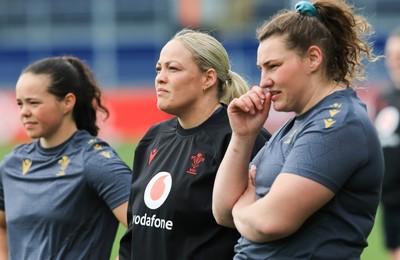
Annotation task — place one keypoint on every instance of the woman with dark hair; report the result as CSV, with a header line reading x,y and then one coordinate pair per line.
x,y
313,190
62,196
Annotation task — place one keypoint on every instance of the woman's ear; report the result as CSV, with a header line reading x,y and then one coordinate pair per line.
x,y
315,57
210,78
69,102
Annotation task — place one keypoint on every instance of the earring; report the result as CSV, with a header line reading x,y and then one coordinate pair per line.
x,y
205,90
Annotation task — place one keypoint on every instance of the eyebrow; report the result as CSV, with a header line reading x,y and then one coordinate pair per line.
x,y
168,62
28,99
265,63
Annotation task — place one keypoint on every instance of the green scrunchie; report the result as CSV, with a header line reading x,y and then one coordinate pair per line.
x,y
306,8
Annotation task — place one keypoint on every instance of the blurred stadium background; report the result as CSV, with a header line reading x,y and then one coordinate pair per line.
x,y
121,39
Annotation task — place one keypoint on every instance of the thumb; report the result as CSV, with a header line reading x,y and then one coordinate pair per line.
x,y
266,105
252,175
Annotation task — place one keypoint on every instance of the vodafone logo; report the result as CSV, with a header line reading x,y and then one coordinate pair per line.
x,y
157,190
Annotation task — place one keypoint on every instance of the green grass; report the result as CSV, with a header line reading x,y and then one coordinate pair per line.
x,y
125,151
374,251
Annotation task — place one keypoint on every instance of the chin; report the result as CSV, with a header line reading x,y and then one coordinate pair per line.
x,y
164,108
33,135
161,108
278,108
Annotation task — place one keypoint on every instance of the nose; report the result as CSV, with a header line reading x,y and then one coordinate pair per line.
x,y
266,81
24,111
160,77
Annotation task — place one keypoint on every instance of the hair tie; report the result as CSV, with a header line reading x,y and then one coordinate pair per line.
x,y
306,8
228,80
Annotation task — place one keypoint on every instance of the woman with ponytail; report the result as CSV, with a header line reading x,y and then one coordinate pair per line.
x,y
175,163
313,190
63,195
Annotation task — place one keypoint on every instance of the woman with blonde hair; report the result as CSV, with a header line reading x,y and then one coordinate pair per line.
x,y
169,211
